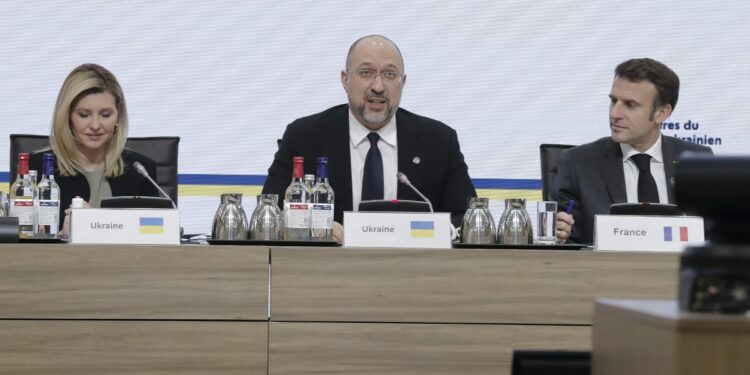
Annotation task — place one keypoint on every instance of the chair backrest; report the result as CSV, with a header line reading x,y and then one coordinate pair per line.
x,y
163,150
549,154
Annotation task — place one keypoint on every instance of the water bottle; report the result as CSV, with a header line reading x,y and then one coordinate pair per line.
x,y
514,227
321,209
22,197
478,226
297,205
47,200
265,222
230,222
3,204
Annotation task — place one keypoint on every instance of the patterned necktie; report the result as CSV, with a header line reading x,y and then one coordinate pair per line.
x,y
647,191
372,181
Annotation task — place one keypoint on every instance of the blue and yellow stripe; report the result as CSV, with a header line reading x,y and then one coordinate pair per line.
x,y
423,229
152,225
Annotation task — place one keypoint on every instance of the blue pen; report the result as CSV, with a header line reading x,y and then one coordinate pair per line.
x,y
569,210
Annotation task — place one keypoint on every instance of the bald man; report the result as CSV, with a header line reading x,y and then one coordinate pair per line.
x,y
425,150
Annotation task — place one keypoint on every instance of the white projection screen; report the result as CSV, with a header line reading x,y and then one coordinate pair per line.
x,y
228,76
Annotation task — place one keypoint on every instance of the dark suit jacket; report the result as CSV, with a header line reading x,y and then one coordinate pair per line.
x,y
126,184
592,175
441,175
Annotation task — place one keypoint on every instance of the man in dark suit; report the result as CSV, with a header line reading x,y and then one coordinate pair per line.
x,y
635,164
370,139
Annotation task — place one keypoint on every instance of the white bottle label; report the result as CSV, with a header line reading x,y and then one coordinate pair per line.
x,y
49,214
23,209
297,215
322,216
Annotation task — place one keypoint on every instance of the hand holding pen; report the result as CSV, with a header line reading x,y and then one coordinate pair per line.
x,y
564,223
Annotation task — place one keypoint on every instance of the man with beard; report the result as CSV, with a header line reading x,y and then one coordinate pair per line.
x,y
370,139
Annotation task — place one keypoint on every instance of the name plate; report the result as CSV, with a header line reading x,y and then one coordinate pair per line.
x,y
397,229
125,226
647,233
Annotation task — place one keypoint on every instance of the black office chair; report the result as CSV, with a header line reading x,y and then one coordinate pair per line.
x,y
551,362
162,150
549,154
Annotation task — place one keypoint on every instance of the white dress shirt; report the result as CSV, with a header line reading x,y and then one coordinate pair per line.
x,y
632,172
359,145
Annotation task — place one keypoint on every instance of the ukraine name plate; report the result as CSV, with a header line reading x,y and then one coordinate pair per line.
x,y
397,229
647,233
125,226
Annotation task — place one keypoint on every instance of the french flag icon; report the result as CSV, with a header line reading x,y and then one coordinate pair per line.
x,y
683,231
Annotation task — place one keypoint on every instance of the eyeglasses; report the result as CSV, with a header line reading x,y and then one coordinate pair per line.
x,y
390,76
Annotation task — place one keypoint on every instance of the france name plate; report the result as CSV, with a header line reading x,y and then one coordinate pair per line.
x,y
647,233
397,229
125,226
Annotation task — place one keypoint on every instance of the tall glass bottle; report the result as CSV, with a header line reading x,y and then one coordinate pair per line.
x,y
322,204
34,176
22,197
296,204
309,182
48,199
3,208
4,204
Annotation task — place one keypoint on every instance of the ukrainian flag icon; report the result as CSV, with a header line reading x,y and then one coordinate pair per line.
x,y
152,225
423,229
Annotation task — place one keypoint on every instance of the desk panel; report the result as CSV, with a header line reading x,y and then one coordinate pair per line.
x,y
460,285
372,348
630,336
132,347
63,281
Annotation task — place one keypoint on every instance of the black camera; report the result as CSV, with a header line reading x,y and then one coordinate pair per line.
x,y
715,277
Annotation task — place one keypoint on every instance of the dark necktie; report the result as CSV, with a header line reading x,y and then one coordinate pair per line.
x,y
647,191
372,181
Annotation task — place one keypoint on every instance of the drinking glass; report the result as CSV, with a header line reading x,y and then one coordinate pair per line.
x,y
545,224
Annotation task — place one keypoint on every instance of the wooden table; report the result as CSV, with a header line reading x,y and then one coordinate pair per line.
x,y
654,337
73,309
443,311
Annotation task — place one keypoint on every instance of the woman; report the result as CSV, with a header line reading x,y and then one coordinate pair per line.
x,y
89,130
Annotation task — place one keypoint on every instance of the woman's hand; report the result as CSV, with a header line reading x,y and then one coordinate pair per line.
x,y
337,232
65,231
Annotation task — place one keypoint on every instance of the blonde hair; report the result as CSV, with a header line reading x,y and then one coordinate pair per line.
x,y
84,80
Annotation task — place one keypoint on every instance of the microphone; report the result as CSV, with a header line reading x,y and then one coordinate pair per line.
x,y
405,180
142,171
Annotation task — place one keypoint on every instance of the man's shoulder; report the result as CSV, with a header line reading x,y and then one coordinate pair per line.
x,y
337,113
414,124
681,145
405,116
598,146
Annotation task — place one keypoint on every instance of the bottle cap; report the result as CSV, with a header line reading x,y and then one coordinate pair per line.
x,y
77,203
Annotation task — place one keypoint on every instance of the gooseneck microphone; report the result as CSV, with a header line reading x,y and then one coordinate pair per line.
x,y
142,171
405,180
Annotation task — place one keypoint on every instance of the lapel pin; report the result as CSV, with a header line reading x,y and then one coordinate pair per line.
x,y
416,160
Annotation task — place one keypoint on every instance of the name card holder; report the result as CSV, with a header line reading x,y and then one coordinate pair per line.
x,y
397,229
647,233
133,226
